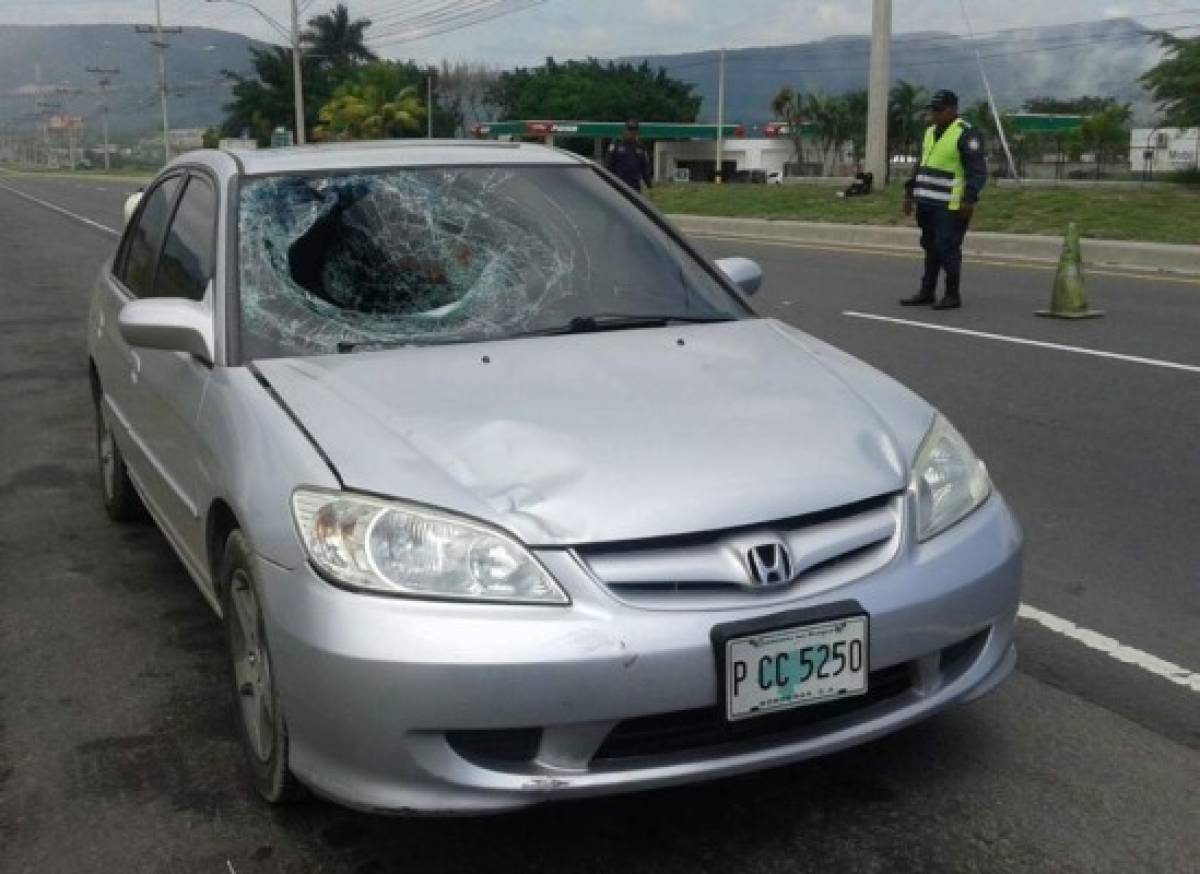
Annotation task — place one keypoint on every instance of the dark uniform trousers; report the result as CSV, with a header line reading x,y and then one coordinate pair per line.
x,y
942,235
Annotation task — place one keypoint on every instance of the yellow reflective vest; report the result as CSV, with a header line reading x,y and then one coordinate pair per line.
x,y
941,178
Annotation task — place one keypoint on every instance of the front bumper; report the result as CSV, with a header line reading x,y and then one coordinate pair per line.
x,y
375,690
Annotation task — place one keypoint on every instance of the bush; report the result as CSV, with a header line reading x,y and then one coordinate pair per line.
x,y
1186,177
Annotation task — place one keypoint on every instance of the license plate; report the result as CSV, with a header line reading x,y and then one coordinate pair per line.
x,y
795,666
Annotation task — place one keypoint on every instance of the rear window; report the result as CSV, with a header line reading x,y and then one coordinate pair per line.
x,y
428,256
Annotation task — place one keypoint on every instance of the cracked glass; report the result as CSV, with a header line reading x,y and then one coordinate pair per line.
x,y
339,262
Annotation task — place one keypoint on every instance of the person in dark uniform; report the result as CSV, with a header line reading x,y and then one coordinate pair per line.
x,y
628,161
944,189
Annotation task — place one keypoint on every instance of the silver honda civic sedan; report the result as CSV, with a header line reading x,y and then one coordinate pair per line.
x,y
505,494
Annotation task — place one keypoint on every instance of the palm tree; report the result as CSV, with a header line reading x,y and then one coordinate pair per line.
x,y
906,116
262,101
832,120
785,106
376,103
336,40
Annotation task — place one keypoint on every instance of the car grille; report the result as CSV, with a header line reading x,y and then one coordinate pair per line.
x,y
707,731
710,571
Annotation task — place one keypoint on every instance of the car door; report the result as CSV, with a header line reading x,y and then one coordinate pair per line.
x,y
172,383
118,364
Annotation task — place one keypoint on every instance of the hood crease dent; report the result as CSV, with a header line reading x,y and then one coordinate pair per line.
x,y
611,436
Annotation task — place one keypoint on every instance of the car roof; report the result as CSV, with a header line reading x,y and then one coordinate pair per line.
x,y
395,153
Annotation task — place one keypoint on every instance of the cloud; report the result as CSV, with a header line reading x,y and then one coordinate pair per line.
x,y
670,11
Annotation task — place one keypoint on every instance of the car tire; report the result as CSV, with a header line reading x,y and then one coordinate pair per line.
x,y
121,500
256,704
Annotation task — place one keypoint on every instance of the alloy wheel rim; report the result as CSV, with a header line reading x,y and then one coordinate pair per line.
x,y
252,668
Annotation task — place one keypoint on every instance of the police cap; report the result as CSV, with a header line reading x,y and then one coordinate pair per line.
x,y
943,100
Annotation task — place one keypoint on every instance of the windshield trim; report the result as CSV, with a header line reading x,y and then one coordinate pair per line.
x,y
233,254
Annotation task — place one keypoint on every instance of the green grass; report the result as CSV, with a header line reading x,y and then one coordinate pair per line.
x,y
125,175
1147,215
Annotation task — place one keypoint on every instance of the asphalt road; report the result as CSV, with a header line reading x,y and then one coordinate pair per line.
x,y
116,743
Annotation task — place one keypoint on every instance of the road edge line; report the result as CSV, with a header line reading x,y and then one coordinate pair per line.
x,y
55,208
1025,341
1113,648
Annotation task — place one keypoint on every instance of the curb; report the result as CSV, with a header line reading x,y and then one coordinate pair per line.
x,y
1164,257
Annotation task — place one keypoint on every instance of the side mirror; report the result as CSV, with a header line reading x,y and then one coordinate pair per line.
x,y
746,274
131,205
173,324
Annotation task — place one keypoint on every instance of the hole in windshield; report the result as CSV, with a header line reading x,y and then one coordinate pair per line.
x,y
428,256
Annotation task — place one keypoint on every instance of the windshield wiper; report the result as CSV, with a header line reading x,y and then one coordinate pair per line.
x,y
578,325
620,322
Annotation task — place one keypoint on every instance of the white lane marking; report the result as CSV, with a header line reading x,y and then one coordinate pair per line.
x,y
1023,341
1114,648
48,205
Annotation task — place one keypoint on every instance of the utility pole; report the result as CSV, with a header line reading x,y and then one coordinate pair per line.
x,y
298,89
103,84
878,160
162,45
720,176
429,104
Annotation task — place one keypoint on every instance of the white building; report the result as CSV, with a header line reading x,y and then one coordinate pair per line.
x,y
697,158
1164,149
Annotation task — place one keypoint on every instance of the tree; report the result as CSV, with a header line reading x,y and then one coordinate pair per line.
x,y
1087,105
1175,82
906,117
830,118
262,101
376,102
336,41
1107,134
785,106
462,91
857,106
590,90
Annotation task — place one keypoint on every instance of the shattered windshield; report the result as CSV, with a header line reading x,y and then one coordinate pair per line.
x,y
337,262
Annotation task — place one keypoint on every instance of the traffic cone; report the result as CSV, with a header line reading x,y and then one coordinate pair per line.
x,y
1069,300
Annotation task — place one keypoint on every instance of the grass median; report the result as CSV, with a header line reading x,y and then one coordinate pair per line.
x,y
1142,214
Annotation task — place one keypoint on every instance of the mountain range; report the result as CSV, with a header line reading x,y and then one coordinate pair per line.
x,y
1103,58
45,68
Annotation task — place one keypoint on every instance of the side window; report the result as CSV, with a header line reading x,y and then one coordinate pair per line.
x,y
137,268
186,262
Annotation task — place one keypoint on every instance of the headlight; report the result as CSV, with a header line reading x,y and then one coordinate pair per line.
x,y
398,549
949,480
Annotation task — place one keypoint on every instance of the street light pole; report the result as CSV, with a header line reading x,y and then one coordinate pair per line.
x,y
298,89
162,79
877,94
720,176
161,44
103,84
429,104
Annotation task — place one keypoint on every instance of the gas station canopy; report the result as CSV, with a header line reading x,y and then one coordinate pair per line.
x,y
650,130
1040,123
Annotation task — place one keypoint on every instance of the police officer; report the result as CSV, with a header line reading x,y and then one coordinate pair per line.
x,y
945,189
627,160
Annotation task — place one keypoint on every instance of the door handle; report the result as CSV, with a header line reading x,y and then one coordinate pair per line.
x,y
135,367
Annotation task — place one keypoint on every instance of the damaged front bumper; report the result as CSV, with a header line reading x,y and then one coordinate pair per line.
x,y
418,706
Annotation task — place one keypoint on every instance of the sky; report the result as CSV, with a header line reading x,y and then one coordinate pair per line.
x,y
608,28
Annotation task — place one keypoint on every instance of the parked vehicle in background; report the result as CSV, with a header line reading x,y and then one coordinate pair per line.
x,y
505,494
775,177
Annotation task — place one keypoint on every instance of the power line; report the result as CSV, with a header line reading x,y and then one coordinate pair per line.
x,y
449,18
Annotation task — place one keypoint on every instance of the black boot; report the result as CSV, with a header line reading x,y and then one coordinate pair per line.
x,y
920,299
951,300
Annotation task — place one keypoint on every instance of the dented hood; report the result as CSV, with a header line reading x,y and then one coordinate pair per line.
x,y
610,436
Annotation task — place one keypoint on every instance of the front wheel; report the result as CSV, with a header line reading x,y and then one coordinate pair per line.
x,y
121,500
257,709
